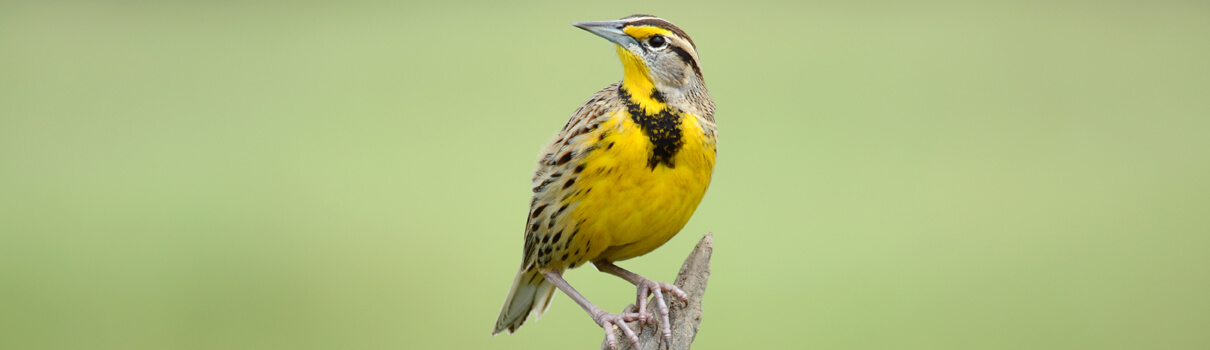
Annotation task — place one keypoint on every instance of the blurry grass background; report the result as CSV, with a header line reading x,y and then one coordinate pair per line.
x,y
354,175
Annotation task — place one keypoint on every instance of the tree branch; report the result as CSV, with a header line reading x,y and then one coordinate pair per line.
x,y
685,319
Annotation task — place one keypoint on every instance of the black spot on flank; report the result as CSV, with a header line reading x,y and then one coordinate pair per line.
x,y
550,224
545,239
578,169
573,235
603,135
542,186
573,265
551,179
564,159
534,227
564,257
557,236
657,95
561,209
569,182
610,146
538,211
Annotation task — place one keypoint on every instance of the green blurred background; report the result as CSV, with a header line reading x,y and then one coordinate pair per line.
x,y
355,175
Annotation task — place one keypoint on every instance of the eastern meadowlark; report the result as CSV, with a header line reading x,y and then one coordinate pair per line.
x,y
622,177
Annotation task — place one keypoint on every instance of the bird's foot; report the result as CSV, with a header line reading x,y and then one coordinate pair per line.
x,y
608,321
648,287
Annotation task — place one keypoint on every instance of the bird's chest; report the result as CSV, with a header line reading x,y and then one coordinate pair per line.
x,y
645,183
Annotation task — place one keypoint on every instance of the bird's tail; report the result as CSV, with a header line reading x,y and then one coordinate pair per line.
x,y
530,294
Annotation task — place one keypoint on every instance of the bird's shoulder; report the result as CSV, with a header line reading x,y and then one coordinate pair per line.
x,y
572,141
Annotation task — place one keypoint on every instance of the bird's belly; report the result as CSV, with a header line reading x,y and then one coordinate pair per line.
x,y
634,208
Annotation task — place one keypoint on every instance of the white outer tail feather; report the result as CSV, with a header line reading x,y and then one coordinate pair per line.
x,y
524,299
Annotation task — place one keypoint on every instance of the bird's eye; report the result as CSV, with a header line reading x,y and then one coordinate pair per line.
x,y
657,41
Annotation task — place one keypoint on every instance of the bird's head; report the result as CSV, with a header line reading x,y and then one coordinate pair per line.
x,y
659,59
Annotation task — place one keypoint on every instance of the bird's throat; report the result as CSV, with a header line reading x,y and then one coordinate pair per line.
x,y
637,80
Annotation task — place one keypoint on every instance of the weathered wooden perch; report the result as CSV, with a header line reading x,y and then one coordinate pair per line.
x,y
685,319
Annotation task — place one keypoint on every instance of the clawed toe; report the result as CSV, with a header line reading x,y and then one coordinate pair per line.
x,y
656,291
647,288
608,321
680,294
634,316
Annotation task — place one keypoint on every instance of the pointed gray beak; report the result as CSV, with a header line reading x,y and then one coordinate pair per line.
x,y
610,30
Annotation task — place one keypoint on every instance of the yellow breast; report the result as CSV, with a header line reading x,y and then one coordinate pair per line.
x,y
626,207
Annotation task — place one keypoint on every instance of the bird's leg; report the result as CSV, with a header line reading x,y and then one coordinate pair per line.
x,y
605,319
646,287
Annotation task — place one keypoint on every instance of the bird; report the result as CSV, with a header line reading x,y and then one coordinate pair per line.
x,y
621,178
